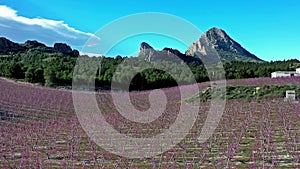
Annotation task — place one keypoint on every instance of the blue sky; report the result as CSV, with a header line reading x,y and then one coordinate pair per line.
x,y
268,28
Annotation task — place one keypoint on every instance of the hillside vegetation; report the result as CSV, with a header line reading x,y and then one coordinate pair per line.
x,y
246,92
56,69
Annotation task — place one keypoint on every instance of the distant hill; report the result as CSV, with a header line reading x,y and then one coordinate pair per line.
x,y
216,39
8,47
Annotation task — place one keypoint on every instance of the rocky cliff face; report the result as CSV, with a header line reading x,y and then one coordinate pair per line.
x,y
225,46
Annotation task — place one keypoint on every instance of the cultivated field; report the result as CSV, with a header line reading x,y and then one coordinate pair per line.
x,y
39,129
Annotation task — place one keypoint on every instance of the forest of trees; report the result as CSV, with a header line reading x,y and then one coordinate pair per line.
x,y
56,69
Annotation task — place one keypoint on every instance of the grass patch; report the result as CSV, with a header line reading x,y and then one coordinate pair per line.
x,y
244,92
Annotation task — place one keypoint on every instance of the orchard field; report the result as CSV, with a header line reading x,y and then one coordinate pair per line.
x,y
39,129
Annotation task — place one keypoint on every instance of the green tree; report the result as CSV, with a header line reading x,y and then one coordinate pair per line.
x,y
50,77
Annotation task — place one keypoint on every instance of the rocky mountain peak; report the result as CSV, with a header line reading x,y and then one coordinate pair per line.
x,y
145,46
216,32
220,41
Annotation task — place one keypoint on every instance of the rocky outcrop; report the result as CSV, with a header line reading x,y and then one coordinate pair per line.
x,y
75,53
167,54
33,44
62,48
65,49
174,52
7,46
149,54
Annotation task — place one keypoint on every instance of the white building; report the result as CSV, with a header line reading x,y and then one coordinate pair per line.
x,y
290,96
286,73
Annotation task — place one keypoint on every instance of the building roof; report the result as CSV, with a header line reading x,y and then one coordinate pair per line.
x,y
286,72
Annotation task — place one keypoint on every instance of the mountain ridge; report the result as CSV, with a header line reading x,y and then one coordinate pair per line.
x,y
8,47
215,41
212,42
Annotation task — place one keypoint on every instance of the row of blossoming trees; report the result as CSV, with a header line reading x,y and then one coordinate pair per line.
x,y
39,129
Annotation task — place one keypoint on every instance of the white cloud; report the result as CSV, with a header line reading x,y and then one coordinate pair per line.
x,y
45,30
90,54
7,12
6,26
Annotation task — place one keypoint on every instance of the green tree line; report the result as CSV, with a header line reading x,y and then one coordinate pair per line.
x,y
56,69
